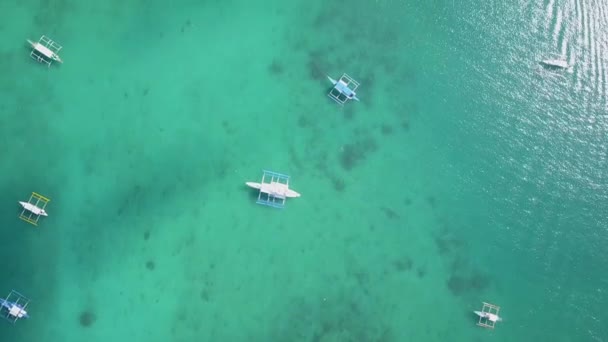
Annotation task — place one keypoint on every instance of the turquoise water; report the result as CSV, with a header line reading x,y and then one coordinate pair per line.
x,y
467,173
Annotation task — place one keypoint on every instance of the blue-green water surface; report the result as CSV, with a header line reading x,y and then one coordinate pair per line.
x,y
468,173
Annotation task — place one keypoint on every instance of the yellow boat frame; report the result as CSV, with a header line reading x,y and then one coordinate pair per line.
x,y
29,216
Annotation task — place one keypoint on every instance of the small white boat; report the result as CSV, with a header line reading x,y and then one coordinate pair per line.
x,y
556,63
34,209
45,50
18,312
13,307
274,189
344,86
489,316
14,310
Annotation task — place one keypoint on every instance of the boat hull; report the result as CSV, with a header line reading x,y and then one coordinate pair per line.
x,y
275,189
254,185
554,63
490,317
292,194
32,208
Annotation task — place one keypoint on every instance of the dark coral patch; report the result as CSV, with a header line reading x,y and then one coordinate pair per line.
x,y
276,68
459,285
150,265
386,129
404,264
86,318
352,154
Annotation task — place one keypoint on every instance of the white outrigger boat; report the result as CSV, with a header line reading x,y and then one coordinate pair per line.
x,y
275,192
344,89
488,316
12,308
45,51
34,208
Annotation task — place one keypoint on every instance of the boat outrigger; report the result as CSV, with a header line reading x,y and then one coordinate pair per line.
x,y
45,51
13,306
488,316
344,89
275,192
34,208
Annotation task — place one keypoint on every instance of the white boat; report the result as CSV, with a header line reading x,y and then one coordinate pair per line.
x,y
489,316
13,307
17,312
342,86
45,51
14,310
556,63
274,189
34,209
